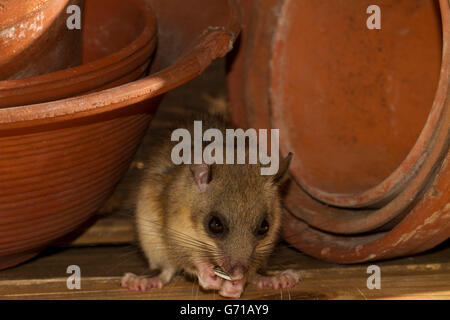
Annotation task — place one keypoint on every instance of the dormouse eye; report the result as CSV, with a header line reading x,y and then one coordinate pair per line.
x,y
263,228
215,225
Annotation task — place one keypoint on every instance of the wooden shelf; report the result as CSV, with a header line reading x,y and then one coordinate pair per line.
x,y
421,277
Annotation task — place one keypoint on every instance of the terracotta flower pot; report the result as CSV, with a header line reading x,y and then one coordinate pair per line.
x,y
366,114
60,160
111,57
34,38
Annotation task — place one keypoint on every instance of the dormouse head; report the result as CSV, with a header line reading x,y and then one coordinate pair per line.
x,y
238,213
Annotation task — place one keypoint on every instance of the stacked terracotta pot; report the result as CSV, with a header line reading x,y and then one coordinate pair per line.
x,y
366,113
68,130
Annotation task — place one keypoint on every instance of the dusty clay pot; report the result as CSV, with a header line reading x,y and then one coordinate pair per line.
x,y
60,160
365,113
34,38
131,50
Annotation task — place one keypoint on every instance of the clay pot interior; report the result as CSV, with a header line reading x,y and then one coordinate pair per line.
x,y
117,45
358,99
112,20
34,38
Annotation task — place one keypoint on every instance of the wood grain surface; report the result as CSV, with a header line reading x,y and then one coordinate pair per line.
x,y
421,277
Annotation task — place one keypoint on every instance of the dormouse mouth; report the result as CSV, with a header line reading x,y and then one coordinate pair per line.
x,y
218,271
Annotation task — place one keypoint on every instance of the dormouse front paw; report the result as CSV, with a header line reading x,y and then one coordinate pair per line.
x,y
283,280
207,278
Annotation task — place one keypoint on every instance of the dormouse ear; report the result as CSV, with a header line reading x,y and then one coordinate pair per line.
x,y
201,173
283,168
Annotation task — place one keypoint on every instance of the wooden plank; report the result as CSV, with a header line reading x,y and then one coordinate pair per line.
x,y
117,228
311,288
421,277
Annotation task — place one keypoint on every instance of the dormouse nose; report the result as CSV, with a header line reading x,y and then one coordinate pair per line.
x,y
238,271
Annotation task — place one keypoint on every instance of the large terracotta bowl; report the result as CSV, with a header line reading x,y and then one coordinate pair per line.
x,y
60,160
